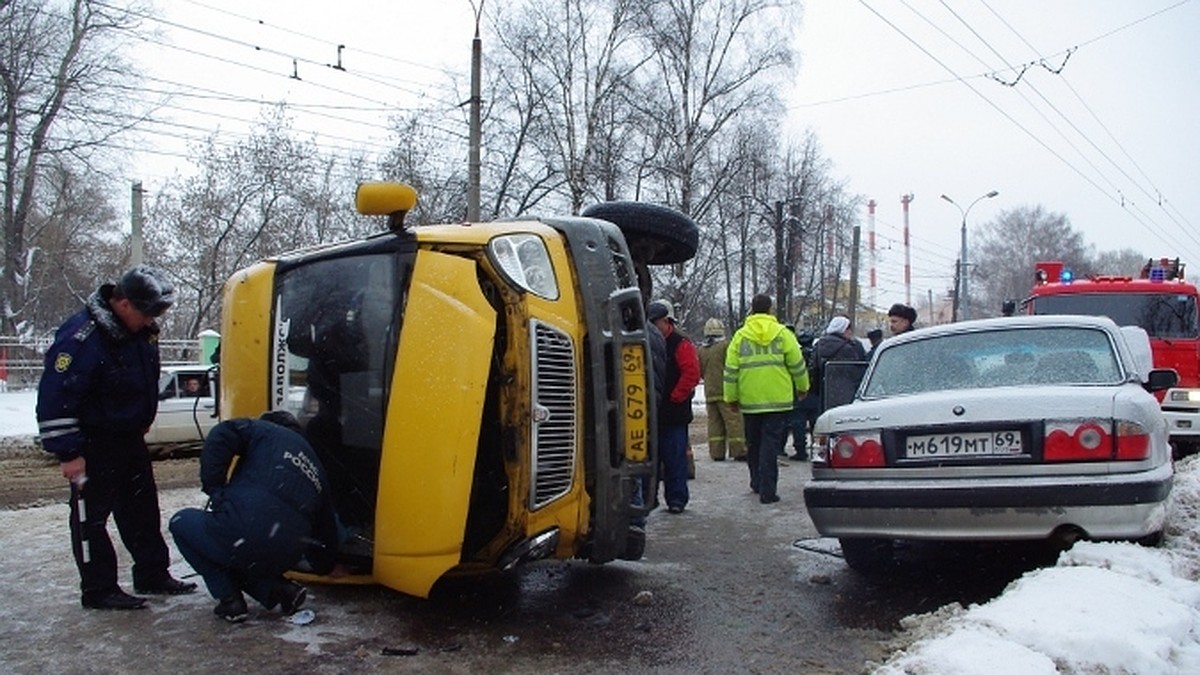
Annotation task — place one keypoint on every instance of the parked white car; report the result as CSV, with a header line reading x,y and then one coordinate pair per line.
x,y
185,408
1000,429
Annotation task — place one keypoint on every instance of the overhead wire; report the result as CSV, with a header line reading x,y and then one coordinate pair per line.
x,y
1077,130
1157,196
377,106
296,33
1088,179
1020,93
296,59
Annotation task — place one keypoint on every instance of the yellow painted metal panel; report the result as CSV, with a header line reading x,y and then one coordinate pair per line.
x,y
246,339
432,432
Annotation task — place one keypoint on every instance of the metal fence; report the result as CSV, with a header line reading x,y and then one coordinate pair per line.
x,y
21,360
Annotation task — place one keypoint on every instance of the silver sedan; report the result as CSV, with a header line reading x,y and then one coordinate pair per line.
x,y
1000,429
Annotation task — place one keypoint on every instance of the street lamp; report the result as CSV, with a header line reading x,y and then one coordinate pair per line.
x,y
962,273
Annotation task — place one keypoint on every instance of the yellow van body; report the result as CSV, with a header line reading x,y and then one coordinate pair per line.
x,y
478,393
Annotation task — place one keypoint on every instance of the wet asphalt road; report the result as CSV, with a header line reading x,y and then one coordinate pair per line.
x,y
728,586
734,586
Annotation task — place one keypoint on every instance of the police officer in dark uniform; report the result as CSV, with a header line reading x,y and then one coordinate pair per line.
x,y
97,397
272,512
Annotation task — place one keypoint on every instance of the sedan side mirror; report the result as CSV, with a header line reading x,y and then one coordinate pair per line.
x,y
1161,378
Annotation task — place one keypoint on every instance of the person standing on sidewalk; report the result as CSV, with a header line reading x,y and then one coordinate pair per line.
x,y
97,396
675,413
901,318
726,436
874,336
806,409
764,374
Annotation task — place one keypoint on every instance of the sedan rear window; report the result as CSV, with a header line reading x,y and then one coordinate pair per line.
x,y
996,358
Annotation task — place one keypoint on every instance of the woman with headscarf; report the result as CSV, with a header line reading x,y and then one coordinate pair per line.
x,y
837,344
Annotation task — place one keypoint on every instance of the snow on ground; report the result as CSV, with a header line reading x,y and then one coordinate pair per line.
x,y
1106,607
16,413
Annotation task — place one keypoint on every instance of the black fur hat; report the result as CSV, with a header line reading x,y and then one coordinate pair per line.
x,y
148,289
904,312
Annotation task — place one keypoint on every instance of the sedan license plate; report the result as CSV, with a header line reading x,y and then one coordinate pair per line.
x,y
964,445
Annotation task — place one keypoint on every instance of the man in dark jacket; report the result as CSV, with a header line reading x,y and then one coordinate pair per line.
x,y
875,336
901,318
97,396
675,409
273,510
838,344
808,408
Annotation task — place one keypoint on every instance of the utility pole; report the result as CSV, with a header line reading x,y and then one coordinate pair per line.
x,y
957,289
826,236
745,239
753,279
476,133
135,224
871,257
852,310
905,200
781,301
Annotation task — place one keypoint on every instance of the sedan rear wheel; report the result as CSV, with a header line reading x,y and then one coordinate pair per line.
x,y
867,556
1154,539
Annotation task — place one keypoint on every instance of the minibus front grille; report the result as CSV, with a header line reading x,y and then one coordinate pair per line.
x,y
554,414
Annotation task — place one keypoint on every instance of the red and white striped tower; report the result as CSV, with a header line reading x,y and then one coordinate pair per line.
x,y
905,200
871,253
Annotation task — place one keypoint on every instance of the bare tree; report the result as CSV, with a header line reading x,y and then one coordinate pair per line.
x,y
56,64
416,159
75,216
715,63
1007,248
269,194
567,66
1125,262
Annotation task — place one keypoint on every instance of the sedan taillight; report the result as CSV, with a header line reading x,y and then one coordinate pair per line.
x,y
1094,440
857,450
1133,441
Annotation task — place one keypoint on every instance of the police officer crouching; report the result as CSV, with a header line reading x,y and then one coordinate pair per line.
x,y
274,510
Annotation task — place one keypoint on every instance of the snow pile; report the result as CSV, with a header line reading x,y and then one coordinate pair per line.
x,y
18,425
1106,607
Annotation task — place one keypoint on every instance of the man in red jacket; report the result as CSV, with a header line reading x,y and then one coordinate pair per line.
x,y
675,409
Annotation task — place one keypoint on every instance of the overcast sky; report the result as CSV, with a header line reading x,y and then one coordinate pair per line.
x,y
901,95
913,97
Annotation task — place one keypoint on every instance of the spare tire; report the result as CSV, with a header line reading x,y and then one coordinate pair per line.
x,y
657,235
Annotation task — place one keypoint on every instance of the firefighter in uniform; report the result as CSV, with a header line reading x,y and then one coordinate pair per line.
x,y
97,397
724,425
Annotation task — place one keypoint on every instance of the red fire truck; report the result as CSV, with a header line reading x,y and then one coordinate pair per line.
x,y
1160,301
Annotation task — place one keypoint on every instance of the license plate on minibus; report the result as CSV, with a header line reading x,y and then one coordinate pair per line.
x,y
634,395
972,444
